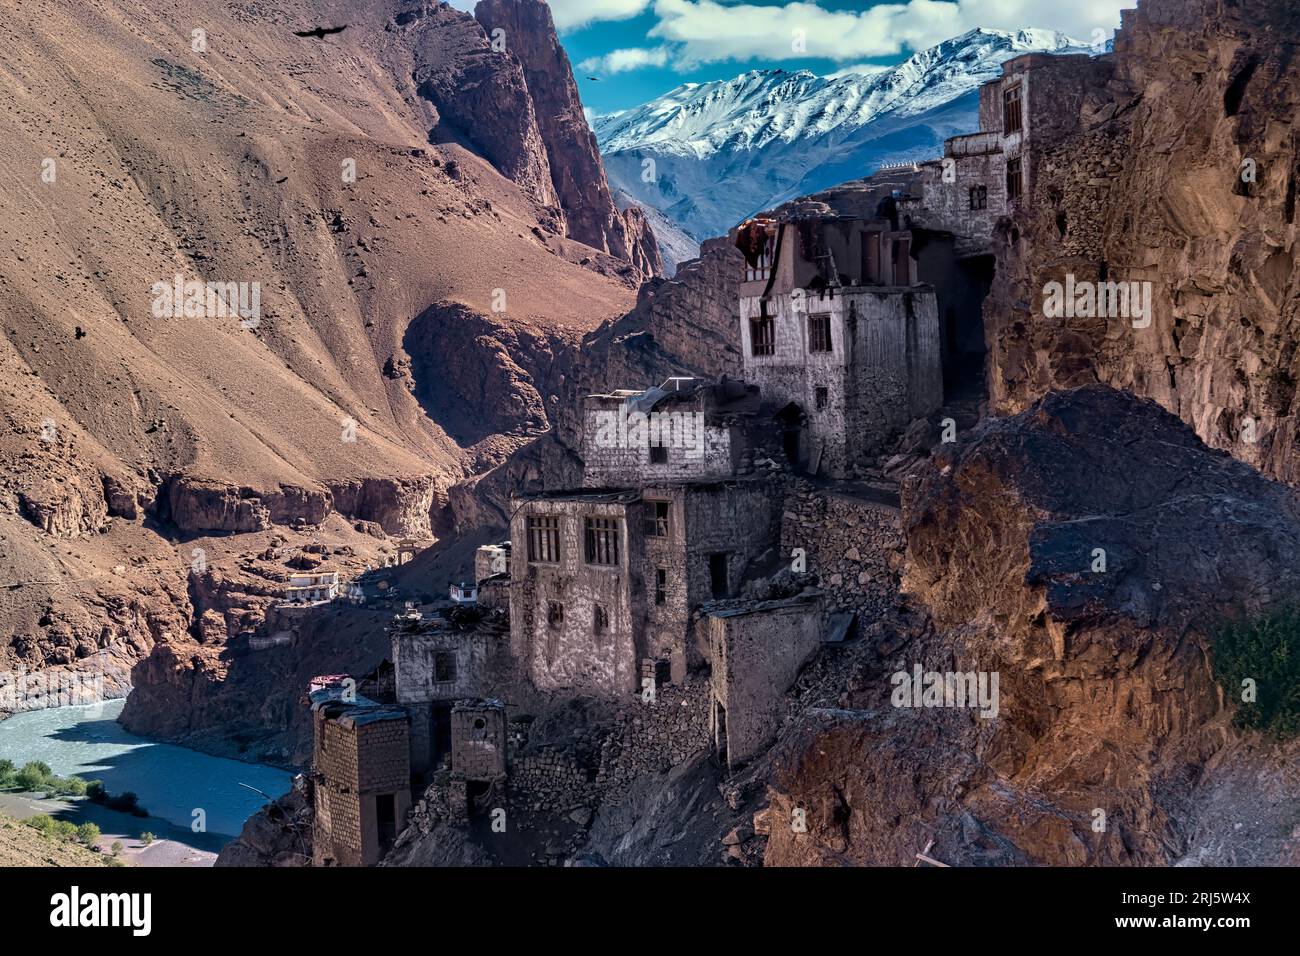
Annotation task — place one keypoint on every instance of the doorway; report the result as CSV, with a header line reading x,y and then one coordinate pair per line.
x,y
791,420
386,819
719,581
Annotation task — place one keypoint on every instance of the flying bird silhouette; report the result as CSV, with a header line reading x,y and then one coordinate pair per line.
x,y
319,33
596,78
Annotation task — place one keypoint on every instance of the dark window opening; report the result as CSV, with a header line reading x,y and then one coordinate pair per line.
x,y
718,576
544,539
656,522
902,263
819,332
554,614
963,343
661,585
762,333
1015,180
1011,118
602,541
444,667
979,197
663,672
600,619
658,454
822,396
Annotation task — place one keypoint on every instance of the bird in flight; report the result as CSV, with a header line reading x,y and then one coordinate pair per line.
x,y
596,78
319,33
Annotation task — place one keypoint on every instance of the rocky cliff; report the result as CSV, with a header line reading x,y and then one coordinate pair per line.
x,y
1184,177
1082,551
578,174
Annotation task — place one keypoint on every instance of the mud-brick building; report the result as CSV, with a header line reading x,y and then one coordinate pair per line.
x,y
604,581
839,332
686,429
361,770
437,662
478,754
757,650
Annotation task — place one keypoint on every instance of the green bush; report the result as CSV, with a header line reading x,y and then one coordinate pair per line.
x,y
72,786
88,833
64,830
146,837
42,822
7,773
95,791
116,848
33,776
1266,650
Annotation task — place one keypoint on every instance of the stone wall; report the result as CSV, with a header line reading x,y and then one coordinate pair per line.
x,y
853,542
757,652
478,741
570,654
884,368
644,738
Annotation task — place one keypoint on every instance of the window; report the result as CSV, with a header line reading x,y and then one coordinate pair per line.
x,y
979,197
819,332
600,619
822,397
554,614
1011,120
1015,183
656,519
762,333
444,667
661,585
602,541
658,452
544,539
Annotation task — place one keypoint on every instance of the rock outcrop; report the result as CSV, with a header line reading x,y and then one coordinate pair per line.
x,y
1184,177
481,98
577,171
1081,551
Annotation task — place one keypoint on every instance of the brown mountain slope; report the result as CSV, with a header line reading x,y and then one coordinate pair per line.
x,y
130,153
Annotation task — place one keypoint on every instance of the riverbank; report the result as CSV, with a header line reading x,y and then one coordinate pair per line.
x,y
172,845
21,845
196,802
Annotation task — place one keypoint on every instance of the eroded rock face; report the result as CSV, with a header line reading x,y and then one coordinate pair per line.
x,y
1106,696
575,165
1184,176
481,97
279,834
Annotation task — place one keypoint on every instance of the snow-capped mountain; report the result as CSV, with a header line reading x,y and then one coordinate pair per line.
x,y
726,149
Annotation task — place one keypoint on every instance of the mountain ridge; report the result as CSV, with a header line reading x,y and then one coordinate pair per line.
x,y
728,148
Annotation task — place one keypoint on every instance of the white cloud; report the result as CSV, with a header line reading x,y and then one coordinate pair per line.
x,y
620,61
571,14
706,31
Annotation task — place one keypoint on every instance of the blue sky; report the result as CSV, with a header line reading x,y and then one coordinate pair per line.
x,y
640,49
